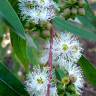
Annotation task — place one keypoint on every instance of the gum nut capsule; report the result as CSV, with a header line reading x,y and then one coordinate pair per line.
x,y
49,26
66,12
74,11
81,11
72,1
81,3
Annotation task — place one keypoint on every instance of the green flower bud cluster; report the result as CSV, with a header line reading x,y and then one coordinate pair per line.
x,y
41,30
72,8
66,85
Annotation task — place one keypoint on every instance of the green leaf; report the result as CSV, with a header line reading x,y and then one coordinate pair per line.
x,y
60,73
19,48
1,29
89,70
8,14
25,50
89,20
9,84
86,22
32,51
56,1
75,28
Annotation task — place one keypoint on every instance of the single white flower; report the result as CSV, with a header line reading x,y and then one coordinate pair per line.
x,y
75,74
65,46
37,82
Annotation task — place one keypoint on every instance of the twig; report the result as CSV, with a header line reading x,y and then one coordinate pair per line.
x,y
50,59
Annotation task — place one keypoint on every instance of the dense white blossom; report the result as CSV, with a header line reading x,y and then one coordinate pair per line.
x,y
41,15
66,47
37,81
37,11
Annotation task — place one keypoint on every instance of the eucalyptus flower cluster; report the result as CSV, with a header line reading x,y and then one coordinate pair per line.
x,y
72,8
66,52
65,46
67,77
37,82
42,11
38,11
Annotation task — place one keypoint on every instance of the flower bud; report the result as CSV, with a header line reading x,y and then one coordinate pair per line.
x,y
74,11
72,1
72,79
81,3
49,26
66,12
81,11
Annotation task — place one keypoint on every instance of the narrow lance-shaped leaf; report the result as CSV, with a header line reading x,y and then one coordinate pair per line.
x,y
32,51
75,28
8,14
88,69
25,50
9,84
60,73
19,48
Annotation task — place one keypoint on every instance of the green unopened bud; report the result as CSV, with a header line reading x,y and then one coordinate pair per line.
x,y
74,11
72,1
66,12
81,3
62,94
49,26
81,11
72,88
43,24
72,78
